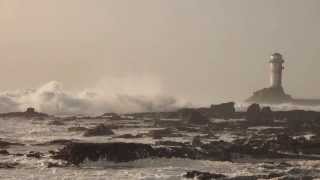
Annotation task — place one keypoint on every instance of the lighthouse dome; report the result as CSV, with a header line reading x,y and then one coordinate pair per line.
x,y
276,56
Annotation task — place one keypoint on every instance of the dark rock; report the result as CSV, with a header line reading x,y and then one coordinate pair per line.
x,y
270,96
225,110
196,141
55,165
4,144
210,176
28,114
4,152
56,142
129,136
76,129
193,117
296,178
243,178
30,110
170,143
18,154
220,149
56,123
271,176
7,165
76,153
168,132
203,175
253,112
266,115
34,154
100,130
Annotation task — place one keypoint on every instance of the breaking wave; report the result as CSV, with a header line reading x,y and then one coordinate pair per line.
x,y
54,99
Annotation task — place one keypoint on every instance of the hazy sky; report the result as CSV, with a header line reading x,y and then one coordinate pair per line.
x,y
202,50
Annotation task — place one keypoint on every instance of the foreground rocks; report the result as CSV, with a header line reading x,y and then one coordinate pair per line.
x,y
76,153
281,146
203,175
211,176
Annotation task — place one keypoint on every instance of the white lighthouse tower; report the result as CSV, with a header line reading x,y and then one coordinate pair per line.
x,y
276,66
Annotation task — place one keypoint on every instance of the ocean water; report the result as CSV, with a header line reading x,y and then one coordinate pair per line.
x,y
33,132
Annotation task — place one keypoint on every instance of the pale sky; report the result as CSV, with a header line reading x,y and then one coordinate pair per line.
x,y
203,50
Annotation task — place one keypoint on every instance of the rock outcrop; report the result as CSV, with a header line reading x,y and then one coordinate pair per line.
x,y
29,113
224,110
270,96
76,153
192,116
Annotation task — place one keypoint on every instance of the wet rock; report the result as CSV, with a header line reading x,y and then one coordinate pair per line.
x,y
4,144
225,110
129,136
7,165
76,129
56,165
243,178
57,142
170,143
100,130
253,112
266,115
34,154
30,110
28,114
193,116
271,176
168,132
210,176
18,154
276,166
196,141
296,178
203,175
76,153
222,150
4,152
56,123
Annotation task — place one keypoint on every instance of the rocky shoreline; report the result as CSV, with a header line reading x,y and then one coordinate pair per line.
x,y
257,134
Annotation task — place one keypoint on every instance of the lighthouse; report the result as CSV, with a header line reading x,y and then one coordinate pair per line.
x,y
274,94
276,68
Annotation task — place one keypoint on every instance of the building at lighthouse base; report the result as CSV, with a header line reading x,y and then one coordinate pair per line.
x,y
271,95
